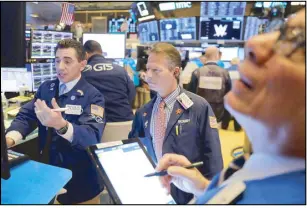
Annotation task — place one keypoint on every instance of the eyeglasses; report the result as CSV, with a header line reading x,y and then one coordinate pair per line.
x,y
290,39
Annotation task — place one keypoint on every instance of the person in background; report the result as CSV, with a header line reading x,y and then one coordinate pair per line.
x,y
234,75
112,81
220,63
211,82
269,102
64,137
175,120
191,66
130,66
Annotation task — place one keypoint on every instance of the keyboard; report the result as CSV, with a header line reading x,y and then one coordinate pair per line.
x,y
16,158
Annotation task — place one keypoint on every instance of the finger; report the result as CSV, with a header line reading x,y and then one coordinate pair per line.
x,y
37,105
54,103
171,159
183,173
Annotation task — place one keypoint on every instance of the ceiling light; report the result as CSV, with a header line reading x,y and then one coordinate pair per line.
x,y
28,25
34,15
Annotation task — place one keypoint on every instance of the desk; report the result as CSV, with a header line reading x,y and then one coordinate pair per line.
x,y
33,183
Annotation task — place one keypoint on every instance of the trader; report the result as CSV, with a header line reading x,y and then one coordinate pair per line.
x,y
64,137
112,81
264,102
177,121
191,66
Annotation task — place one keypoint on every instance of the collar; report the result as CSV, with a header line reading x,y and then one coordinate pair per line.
x,y
94,56
211,63
171,98
261,165
71,84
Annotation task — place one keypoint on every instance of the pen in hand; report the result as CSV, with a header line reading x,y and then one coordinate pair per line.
x,y
164,172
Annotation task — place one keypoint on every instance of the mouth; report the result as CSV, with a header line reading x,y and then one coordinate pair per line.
x,y
61,75
244,80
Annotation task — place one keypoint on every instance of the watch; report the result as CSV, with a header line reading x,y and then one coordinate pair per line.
x,y
63,130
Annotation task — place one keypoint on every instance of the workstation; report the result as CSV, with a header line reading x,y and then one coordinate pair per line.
x,y
115,118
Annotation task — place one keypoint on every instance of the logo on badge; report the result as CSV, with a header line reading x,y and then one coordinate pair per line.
x,y
73,97
52,85
146,124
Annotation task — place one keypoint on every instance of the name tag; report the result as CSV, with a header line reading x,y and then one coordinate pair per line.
x,y
74,110
185,101
211,83
184,121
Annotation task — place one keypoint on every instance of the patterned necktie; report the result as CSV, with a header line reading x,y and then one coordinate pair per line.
x,y
160,128
62,89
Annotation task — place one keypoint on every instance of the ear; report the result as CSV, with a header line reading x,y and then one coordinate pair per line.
x,y
177,71
83,64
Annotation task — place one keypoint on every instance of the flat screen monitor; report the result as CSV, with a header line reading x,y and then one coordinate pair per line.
x,y
178,29
143,11
254,26
241,53
44,42
14,78
42,72
229,53
114,25
221,28
113,45
222,9
148,32
5,169
270,4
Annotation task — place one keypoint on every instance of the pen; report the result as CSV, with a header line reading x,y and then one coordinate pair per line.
x,y
59,109
177,130
164,172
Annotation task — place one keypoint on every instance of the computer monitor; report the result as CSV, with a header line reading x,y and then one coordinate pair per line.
x,y
229,53
43,42
14,78
42,72
148,32
5,169
222,9
113,45
254,26
114,25
178,29
143,11
220,28
270,4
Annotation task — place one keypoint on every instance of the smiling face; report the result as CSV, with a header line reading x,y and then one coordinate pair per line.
x,y
269,100
67,65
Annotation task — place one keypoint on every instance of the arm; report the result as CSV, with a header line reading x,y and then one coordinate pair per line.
x,y
194,83
210,144
137,127
228,82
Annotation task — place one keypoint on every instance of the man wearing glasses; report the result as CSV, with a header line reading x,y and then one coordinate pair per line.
x,y
269,102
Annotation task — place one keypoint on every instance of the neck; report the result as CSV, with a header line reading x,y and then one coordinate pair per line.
x,y
208,61
170,91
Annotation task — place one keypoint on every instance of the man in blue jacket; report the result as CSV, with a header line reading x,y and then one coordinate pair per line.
x,y
112,81
64,137
175,120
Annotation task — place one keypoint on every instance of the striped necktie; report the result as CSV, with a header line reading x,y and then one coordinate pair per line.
x,y
159,131
62,89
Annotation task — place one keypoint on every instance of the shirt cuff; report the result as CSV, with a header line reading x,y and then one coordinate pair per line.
x,y
69,134
15,135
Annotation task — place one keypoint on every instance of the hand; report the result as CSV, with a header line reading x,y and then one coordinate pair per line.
x,y
9,142
188,180
47,117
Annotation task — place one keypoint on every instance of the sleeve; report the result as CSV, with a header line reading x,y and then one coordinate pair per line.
x,y
212,154
228,82
90,125
131,89
26,120
137,127
194,82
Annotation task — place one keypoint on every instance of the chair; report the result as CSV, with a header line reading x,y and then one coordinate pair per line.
x,y
115,131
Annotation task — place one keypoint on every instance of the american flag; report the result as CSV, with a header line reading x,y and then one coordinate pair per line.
x,y
67,13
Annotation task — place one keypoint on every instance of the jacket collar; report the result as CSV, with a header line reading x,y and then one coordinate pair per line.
x,y
94,57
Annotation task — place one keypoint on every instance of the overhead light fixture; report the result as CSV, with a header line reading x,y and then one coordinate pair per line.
x,y
34,15
28,25
34,2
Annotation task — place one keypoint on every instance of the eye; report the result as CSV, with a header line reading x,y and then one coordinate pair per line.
x,y
57,61
67,62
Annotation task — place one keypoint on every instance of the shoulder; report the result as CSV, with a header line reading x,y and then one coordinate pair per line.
x,y
88,88
48,85
199,102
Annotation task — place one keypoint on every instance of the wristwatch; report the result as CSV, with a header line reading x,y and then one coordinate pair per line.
x,y
63,130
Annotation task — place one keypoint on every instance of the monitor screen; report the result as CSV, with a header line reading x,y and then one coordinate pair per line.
x,y
178,29
222,9
115,24
221,28
229,53
44,42
5,169
42,72
143,11
254,26
14,78
113,45
148,32
270,4
241,53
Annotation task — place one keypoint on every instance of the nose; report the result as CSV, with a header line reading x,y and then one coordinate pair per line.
x,y
148,75
260,48
60,66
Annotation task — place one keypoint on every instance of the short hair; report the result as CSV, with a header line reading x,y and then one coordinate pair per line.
x,y
92,46
171,53
71,43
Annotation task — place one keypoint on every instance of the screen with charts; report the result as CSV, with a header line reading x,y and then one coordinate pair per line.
x,y
44,42
14,78
270,4
254,26
42,72
222,9
178,29
148,32
125,166
143,10
220,28
113,45
229,53
115,24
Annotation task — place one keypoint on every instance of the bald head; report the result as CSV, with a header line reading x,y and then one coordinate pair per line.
x,y
212,54
92,47
235,61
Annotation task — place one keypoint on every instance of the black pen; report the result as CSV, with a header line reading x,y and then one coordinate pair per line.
x,y
164,172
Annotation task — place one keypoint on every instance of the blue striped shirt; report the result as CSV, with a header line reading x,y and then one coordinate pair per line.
x,y
169,105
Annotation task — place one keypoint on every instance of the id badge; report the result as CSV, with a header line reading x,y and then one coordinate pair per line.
x,y
74,110
185,101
